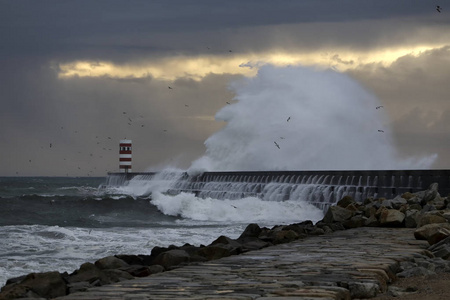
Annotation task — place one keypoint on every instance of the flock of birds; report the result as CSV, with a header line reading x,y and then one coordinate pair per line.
x,y
289,118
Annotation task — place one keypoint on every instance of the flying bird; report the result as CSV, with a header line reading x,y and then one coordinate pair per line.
x,y
288,119
228,102
276,144
379,130
378,107
170,88
438,8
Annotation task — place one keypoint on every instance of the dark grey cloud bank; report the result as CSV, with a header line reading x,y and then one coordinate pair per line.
x,y
122,28
78,116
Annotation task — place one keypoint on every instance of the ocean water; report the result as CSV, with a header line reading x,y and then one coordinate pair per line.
x,y
58,223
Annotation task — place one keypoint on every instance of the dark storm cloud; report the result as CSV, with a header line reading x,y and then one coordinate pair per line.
x,y
83,117
116,28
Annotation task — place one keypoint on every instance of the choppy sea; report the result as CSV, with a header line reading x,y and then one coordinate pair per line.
x,y
58,223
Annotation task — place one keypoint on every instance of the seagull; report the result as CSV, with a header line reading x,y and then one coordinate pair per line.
x,y
379,130
288,119
438,8
378,107
276,144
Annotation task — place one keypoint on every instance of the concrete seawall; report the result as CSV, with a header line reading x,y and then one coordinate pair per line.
x,y
358,184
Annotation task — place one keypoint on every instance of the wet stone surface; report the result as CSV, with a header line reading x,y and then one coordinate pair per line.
x,y
349,264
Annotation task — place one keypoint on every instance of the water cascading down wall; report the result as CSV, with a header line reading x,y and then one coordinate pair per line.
x,y
321,188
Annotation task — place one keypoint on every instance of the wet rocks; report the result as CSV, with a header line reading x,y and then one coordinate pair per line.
x,y
35,285
433,233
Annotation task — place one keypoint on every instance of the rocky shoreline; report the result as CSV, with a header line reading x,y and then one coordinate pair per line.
x,y
427,211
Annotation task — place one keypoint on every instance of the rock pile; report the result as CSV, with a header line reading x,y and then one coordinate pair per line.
x,y
427,211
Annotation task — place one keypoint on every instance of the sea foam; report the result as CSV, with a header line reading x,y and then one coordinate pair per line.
x,y
302,118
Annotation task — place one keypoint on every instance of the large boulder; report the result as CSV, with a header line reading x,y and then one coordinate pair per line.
x,y
391,217
441,249
430,218
36,285
345,201
217,251
429,195
252,230
355,221
110,262
433,233
411,216
280,236
337,214
132,259
90,273
142,271
172,258
226,241
116,275
249,244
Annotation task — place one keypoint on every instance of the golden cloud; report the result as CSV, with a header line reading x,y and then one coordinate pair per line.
x,y
197,67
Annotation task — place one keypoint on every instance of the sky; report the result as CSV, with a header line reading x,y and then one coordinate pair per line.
x,y
78,76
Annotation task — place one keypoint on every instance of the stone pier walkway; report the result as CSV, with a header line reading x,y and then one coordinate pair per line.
x,y
347,264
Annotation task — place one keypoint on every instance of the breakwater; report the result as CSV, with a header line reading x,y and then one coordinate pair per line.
x,y
321,188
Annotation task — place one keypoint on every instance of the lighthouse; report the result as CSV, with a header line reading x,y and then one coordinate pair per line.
x,y
125,156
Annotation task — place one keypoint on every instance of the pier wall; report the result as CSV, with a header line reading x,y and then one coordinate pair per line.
x,y
322,186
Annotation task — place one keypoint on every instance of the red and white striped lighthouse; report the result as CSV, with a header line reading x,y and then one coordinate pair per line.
x,y
125,156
